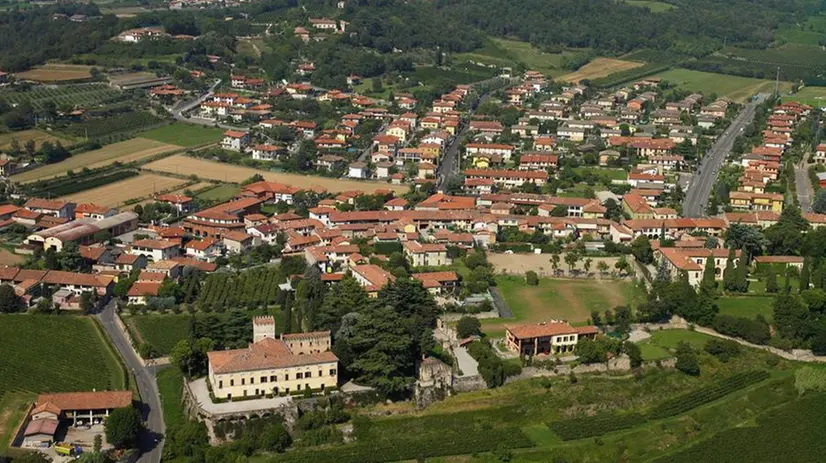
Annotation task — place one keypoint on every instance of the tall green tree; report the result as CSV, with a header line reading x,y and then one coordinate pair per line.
x,y
805,275
641,249
345,297
123,426
709,285
10,302
417,308
771,282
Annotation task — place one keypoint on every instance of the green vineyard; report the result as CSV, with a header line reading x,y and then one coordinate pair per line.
x,y
83,95
118,123
55,354
253,288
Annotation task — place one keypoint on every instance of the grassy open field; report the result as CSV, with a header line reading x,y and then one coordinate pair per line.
x,y
558,299
183,164
170,386
220,193
116,193
734,87
9,258
605,173
184,134
518,264
653,6
126,151
56,73
50,354
161,331
39,136
812,96
746,307
599,67
506,52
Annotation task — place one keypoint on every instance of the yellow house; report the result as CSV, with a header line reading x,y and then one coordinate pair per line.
x,y
757,201
272,366
481,162
433,150
397,132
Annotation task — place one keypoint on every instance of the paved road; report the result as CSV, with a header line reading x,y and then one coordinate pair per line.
x,y
151,443
450,163
803,185
467,364
706,176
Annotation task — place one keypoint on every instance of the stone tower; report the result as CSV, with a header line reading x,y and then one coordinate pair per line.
x,y
263,327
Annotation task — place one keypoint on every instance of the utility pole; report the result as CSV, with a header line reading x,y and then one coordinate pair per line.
x,y
777,82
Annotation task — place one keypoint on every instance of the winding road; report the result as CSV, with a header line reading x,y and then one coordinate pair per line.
x,y
151,442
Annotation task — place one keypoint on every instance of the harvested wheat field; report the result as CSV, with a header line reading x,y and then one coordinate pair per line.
x,y
125,151
116,193
599,67
186,165
56,73
39,136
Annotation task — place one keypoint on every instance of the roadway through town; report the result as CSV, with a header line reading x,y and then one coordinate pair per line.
x,y
702,182
151,442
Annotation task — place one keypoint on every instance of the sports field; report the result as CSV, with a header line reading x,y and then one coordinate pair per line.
x,y
599,67
56,73
126,151
134,187
812,96
39,136
187,165
737,88
558,299
184,134
51,354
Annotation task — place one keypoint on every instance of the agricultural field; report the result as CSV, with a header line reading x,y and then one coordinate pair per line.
x,y
51,354
253,288
128,122
599,67
653,6
508,53
746,307
789,54
114,194
463,73
812,96
39,136
80,95
56,73
673,411
737,88
8,258
184,134
78,182
558,299
182,164
161,331
127,151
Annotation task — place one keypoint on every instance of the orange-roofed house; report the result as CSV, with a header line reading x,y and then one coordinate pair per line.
x,y
439,282
182,203
79,407
371,277
692,261
155,250
273,365
547,338
235,140
53,207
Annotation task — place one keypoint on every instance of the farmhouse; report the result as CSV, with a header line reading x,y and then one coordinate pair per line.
x,y
78,408
235,140
272,365
554,337
84,231
55,208
371,277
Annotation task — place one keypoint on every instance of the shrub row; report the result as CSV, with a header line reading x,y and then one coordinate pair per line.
x,y
628,75
69,185
580,428
686,402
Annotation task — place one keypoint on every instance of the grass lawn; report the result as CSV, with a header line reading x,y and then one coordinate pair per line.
x,y
161,331
170,386
812,96
560,299
13,406
651,352
746,307
220,193
534,58
184,134
734,87
668,339
605,173
653,6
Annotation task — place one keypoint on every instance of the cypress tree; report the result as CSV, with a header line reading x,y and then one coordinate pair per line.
x,y
787,285
771,282
729,280
708,285
743,272
805,275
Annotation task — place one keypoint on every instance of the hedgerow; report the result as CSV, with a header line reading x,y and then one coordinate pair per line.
x,y
702,396
580,428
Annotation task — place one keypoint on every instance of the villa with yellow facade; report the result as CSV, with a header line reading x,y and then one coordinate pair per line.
x,y
274,365
756,201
